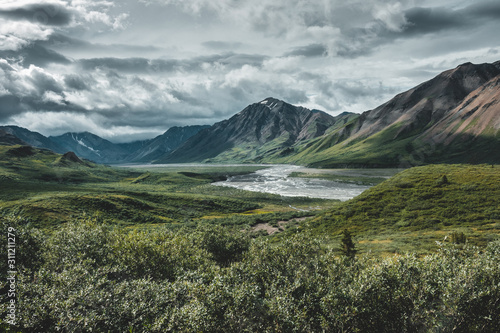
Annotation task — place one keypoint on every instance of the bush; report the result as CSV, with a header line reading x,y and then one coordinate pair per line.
x,y
88,278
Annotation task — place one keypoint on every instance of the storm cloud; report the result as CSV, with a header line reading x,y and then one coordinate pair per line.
x,y
131,69
46,14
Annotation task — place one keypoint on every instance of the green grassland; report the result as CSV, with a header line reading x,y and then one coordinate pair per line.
x,y
48,190
337,176
419,206
102,249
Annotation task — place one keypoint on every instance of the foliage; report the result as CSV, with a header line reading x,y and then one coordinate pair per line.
x,y
347,244
419,206
88,277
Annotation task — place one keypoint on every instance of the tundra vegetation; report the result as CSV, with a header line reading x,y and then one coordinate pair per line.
x,y
102,249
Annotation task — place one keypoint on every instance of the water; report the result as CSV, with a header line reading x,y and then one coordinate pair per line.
x,y
276,180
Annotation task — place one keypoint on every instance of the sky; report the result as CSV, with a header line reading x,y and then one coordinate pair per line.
x,y
129,70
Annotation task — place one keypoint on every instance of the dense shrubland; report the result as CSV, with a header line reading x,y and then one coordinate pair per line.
x,y
89,277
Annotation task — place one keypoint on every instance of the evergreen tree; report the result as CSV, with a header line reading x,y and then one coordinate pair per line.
x,y
347,246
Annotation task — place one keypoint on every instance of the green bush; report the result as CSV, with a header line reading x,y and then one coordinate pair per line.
x,y
89,278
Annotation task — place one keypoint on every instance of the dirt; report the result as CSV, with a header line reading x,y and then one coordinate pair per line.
x,y
272,230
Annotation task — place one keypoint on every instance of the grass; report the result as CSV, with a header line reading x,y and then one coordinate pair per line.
x,y
360,180
408,212
419,206
36,186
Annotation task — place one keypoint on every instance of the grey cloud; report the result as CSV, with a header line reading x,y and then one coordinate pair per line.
x,y
128,65
425,20
78,82
489,9
311,50
9,106
65,43
221,45
35,54
46,14
363,41
143,65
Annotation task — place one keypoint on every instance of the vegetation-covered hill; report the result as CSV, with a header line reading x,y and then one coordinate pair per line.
x,y
419,206
87,277
50,189
102,249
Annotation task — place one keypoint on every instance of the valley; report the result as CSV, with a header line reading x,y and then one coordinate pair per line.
x,y
279,218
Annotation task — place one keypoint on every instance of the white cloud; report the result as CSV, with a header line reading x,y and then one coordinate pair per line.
x,y
15,35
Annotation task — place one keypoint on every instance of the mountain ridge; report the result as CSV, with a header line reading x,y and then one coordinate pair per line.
x,y
261,128
94,148
453,117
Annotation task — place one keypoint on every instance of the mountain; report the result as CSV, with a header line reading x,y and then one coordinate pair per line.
x,y
265,128
453,117
8,139
34,139
91,147
153,149
99,150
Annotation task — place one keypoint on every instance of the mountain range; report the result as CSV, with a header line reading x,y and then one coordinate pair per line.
x,y
454,117
92,147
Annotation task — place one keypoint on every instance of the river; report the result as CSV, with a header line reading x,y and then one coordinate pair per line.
x,y
276,180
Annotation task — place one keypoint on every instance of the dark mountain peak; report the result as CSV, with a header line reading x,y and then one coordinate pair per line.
x,y
471,71
270,123
9,139
270,101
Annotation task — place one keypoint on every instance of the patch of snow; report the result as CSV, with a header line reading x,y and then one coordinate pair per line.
x,y
80,142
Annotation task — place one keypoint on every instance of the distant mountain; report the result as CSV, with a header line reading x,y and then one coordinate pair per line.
x,y
9,139
153,149
91,147
34,139
265,128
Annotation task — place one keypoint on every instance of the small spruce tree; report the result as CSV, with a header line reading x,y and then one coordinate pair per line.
x,y
347,244
458,237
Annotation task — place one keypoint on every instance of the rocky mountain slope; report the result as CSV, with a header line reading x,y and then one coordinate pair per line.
x,y
10,139
262,129
91,146
153,149
450,118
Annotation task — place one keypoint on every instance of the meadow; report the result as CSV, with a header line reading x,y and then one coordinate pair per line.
x,y
105,249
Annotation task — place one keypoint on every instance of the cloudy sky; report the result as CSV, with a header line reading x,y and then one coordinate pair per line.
x,y
128,70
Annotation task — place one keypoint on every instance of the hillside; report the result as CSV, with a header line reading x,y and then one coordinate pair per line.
x,y
94,148
34,139
419,206
91,147
154,149
265,128
9,139
452,118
